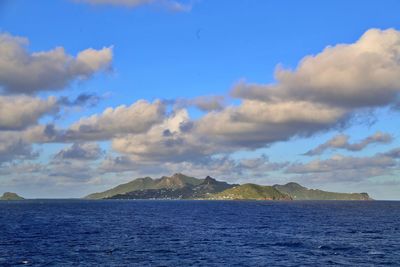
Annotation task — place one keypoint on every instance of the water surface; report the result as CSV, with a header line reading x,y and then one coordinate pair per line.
x,y
202,233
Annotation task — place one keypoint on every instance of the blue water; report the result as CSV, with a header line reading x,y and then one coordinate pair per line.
x,y
199,233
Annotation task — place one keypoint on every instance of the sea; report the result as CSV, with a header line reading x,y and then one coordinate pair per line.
x,y
199,233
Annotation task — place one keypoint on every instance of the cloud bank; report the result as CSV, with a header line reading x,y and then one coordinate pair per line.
x,y
324,92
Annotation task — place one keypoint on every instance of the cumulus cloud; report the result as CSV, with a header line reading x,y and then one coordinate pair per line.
x,y
121,121
324,92
28,73
36,134
19,112
169,4
78,151
300,103
134,119
342,141
174,139
249,126
256,124
14,148
362,74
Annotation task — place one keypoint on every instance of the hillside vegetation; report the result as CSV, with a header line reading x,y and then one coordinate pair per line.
x,y
251,192
298,192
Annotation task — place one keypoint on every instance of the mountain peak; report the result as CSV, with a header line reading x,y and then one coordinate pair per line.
x,y
295,185
177,180
209,180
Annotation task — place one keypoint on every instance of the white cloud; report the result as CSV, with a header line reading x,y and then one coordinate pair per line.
x,y
171,140
134,119
324,92
342,141
19,112
25,72
255,124
301,103
362,74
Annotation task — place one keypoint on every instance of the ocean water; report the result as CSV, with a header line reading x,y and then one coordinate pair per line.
x,y
199,233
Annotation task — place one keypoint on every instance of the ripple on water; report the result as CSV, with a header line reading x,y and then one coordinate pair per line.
x,y
172,233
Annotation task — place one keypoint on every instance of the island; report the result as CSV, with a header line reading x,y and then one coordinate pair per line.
x,y
11,196
180,186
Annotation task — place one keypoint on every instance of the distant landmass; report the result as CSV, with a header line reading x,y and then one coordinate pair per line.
x,y
10,196
176,181
298,192
180,186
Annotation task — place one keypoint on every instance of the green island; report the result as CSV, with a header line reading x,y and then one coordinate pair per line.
x,y
180,186
11,196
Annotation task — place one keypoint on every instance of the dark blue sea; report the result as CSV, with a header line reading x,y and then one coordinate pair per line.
x,y
199,233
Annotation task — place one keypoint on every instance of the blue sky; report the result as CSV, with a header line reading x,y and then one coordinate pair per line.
x,y
182,58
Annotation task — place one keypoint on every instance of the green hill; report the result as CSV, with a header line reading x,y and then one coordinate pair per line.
x,y
250,192
298,192
178,180
175,181
173,188
10,196
209,186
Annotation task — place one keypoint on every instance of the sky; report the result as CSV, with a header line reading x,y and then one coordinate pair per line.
x,y
94,93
